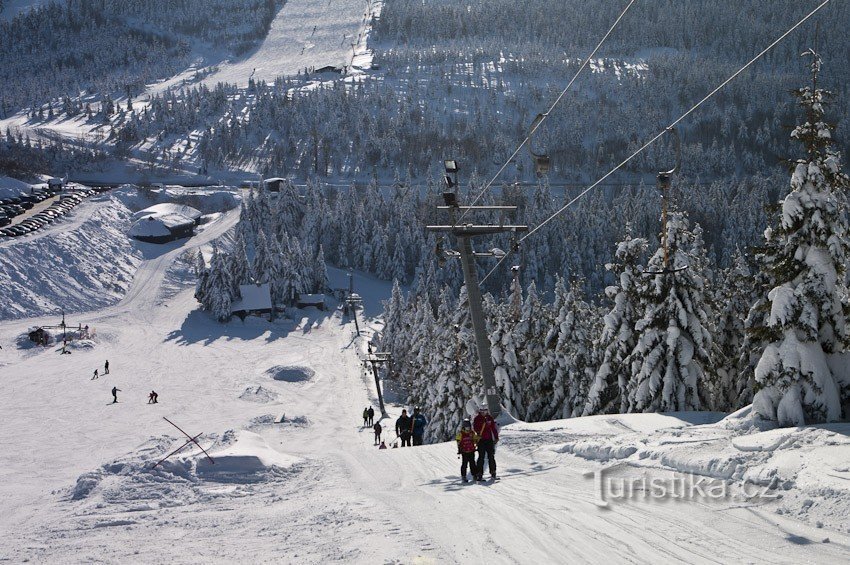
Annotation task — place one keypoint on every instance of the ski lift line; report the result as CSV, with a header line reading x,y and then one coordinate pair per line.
x,y
661,133
680,118
545,115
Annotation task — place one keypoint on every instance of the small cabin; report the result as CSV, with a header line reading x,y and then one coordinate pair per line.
x,y
256,301
55,184
39,336
162,228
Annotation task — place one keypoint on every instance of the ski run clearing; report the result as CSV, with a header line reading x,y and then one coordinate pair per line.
x,y
297,480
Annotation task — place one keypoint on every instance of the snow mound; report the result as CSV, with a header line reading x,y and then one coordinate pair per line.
x,y
805,468
82,344
258,394
291,374
249,458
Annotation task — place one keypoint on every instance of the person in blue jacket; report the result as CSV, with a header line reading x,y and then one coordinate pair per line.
x,y
417,426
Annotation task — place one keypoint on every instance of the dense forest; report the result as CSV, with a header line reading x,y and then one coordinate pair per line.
x,y
86,47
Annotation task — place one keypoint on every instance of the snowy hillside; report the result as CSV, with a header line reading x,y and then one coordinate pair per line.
x,y
86,260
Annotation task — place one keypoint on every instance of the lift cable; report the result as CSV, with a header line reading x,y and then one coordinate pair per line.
x,y
660,134
545,115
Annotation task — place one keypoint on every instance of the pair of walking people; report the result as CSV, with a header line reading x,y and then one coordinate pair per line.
x,y
480,435
407,428
368,416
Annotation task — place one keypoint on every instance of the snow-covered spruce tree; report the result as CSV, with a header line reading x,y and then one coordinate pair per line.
x,y
808,307
395,311
452,368
320,272
202,273
608,392
672,337
507,336
262,264
576,326
238,260
545,400
217,288
732,299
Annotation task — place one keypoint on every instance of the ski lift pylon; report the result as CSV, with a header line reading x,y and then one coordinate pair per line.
x,y
664,181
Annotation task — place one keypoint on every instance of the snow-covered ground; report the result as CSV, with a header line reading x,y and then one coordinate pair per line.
x,y
305,33
86,260
297,479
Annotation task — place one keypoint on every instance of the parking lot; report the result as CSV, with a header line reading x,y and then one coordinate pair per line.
x,y
28,213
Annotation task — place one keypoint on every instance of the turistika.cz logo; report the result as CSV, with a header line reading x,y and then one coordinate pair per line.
x,y
668,486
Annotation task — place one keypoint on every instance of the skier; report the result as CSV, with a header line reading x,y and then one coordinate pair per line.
x,y
488,432
378,429
152,397
467,440
95,375
115,391
106,367
402,428
371,415
365,417
417,426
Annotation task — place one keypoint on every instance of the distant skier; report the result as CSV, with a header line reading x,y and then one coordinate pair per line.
x,y
488,432
467,441
417,426
402,428
371,413
115,391
106,367
378,429
365,417
152,397
95,375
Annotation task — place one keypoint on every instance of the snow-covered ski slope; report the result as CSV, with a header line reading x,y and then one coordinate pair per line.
x,y
305,33
76,483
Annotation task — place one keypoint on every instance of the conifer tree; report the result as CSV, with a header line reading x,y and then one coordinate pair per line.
x,y
608,392
806,311
672,338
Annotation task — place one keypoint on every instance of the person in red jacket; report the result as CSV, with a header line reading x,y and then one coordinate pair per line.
x,y
466,443
487,429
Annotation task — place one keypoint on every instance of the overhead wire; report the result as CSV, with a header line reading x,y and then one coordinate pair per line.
x,y
546,114
658,135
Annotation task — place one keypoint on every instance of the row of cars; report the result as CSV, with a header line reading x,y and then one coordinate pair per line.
x,y
53,212
15,206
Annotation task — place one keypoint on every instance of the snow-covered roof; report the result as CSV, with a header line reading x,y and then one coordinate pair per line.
x,y
311,298
168,208
254,297
274,179
159,225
